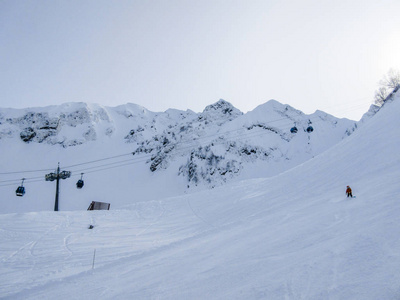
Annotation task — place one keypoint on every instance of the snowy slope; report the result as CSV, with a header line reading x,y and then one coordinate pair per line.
x,y
291,236
141,155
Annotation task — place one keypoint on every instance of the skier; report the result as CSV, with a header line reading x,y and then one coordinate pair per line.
x,y
348,192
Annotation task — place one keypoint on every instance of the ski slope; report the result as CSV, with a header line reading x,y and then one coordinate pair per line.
x,y
292,236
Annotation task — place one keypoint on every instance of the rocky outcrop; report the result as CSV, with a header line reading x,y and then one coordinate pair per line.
x,y
51,126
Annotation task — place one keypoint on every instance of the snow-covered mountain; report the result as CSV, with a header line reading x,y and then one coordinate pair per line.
x,y
147,153
290,236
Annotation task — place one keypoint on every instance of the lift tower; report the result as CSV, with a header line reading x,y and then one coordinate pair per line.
x,y
57,176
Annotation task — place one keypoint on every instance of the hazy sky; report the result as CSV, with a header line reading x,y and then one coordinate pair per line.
x,y
326,55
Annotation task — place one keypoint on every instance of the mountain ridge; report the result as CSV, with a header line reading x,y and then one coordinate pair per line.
x,y
169,152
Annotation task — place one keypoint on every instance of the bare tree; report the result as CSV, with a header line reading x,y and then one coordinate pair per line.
x,y
389,84
381,95
391,80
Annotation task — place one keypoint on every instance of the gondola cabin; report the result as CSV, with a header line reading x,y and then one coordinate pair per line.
x,y
293,129
310,129
79,184
20,191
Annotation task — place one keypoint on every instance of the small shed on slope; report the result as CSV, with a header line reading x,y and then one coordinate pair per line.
x,y
95,205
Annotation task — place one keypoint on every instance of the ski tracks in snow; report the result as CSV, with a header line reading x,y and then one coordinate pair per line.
x,y
298,285
66,244
34,245
152,223
20,250
31,245
198,216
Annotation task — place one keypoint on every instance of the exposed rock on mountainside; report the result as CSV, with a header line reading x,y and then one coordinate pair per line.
x,y
211,147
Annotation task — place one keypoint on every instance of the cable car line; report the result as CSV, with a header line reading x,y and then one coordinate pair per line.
x,y
26,171
97,160
109,164
26,179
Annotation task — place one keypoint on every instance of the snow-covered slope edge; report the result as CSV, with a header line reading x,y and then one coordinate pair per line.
x,y
292,236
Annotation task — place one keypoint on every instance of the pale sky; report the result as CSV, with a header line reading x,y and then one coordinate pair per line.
x,y
311,54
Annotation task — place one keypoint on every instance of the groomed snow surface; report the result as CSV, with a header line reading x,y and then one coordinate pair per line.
x,y
292,236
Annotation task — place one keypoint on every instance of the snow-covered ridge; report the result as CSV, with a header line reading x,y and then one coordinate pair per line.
x,y
52,125
212,147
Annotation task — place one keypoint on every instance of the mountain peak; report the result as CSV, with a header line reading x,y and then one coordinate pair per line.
x,y
223,106
220,111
